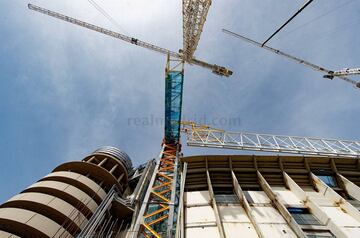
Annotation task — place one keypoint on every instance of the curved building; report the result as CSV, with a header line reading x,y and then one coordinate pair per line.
x,y
270,196
220,196
61,203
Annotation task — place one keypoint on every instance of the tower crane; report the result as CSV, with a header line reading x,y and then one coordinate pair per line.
x,y
329,74
158,213
219,70
194,17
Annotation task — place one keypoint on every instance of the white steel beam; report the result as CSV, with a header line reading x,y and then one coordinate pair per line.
x,y
135,227
214,138
280,206
352,189
214,204
248,209
333,196
180,231
313,206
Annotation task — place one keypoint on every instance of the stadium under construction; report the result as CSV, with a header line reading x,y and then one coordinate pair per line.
x,y
297,186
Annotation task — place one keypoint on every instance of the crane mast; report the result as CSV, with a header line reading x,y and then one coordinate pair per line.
x,y
194,17
159,213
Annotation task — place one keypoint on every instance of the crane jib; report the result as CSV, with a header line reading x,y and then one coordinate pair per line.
x,y
214,68
329,73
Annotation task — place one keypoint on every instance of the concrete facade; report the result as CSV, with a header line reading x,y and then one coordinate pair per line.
x,y
270,196
220,196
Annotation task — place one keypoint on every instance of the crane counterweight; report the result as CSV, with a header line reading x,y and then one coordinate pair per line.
x,y
219,70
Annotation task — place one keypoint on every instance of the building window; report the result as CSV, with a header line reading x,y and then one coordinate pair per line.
x,y
303,217
226,199
329,180
318,233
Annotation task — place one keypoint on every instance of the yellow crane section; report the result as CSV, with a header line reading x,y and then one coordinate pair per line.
x,y
194,17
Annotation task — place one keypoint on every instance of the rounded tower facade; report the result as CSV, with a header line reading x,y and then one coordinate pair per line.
x,y
61,203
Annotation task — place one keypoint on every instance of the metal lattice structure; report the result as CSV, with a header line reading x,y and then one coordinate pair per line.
x,y
194,17
219,70
173,99
158,215
343,72
160,200
329,73
160,210
203,136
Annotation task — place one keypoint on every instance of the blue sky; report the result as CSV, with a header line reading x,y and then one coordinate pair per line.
x,y
66,90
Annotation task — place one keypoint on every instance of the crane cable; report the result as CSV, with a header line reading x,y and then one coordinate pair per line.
x,y
288,21
318,17
323,34
105,14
